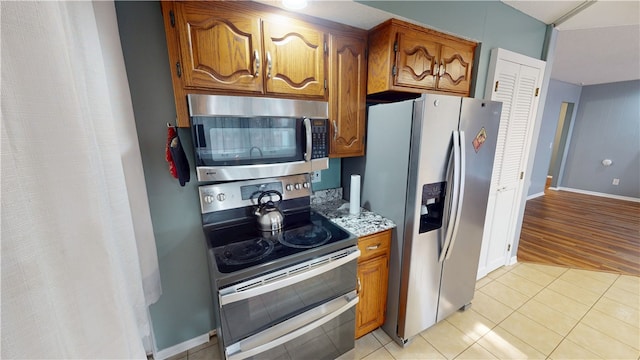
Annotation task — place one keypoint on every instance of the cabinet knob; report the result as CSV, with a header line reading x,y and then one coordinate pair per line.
x,y
373,247
335,130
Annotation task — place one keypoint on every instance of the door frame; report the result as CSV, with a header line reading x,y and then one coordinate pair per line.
x,y
561,144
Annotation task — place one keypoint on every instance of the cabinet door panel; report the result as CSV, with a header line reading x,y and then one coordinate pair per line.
x,y
347,106
456,75
416,60
219,49
294,59
373,277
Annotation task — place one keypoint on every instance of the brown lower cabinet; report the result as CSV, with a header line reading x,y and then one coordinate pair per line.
x,y
373,277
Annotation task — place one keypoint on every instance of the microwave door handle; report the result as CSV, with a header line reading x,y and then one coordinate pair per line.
x,y
461,180
307,129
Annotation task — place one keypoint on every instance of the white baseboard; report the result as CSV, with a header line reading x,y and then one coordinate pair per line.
x,y
619,197
553,188
481,273
533,196
183,346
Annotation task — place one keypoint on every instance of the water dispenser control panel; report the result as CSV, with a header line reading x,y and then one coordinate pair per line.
x,y
432,206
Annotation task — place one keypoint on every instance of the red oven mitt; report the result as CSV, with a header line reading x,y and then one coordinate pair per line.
x,y
171,133
177,159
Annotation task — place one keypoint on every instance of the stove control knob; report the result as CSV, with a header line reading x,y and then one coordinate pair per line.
x,y
297,186
208,199
305,185
289,187
221,197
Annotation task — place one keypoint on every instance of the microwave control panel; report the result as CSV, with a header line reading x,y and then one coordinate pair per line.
x,y
319,134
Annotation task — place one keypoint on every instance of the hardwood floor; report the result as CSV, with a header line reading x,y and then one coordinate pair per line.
x,y
582,231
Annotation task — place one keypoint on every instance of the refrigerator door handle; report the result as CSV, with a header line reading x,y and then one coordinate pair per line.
x,y
454,196
461,182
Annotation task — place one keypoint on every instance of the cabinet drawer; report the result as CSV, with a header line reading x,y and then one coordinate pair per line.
x,y
374,245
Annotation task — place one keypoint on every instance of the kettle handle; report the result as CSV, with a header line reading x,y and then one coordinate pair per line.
x,y
269,192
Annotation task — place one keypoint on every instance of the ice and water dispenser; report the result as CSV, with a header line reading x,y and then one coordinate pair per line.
x,y
432,206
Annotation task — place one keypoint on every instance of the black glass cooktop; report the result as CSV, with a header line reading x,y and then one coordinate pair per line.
x,y
242,245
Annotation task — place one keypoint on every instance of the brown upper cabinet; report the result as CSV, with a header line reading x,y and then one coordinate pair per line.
x,y
348,95
219,49
228,49
406,58
246,48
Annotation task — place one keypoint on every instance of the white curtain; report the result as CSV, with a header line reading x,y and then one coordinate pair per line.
x,y
78,259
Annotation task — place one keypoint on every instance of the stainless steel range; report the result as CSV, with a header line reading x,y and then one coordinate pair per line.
x,y
286,291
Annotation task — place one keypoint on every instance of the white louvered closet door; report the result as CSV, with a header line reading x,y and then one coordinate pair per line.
x,y
514,83
507,81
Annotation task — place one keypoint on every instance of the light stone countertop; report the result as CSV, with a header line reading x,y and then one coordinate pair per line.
x,y
337,210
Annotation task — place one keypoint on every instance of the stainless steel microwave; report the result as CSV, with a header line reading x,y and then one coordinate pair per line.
x,y
237,138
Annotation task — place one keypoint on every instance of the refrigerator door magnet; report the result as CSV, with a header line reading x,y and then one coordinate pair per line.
x,y
479,139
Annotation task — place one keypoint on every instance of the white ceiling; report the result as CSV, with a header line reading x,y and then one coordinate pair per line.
x,y
594,14
599,44
340,11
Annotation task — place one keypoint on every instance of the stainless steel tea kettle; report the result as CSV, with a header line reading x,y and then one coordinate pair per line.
x,y
268,215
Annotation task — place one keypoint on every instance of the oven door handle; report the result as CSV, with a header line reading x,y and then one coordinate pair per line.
x,y
287,277
292,328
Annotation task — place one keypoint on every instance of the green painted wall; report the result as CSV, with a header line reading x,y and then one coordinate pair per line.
x,y
330,178
184,310
491,23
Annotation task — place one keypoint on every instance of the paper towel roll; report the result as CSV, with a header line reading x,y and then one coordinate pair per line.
x,y
354,199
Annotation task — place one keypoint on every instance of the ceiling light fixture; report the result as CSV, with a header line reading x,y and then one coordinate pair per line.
x,y
294,4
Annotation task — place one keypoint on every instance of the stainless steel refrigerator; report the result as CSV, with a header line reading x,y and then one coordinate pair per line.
x,y
428,167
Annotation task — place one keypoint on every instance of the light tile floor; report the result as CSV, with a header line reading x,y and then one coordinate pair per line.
x,y
525,311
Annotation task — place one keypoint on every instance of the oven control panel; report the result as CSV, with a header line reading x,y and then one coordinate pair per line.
x,y
237,194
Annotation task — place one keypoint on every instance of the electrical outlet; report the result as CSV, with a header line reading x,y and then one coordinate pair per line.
x,y
616,181
316,176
